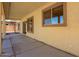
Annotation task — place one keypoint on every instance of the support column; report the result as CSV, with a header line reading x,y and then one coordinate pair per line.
x,y
16,27
1,16
21,27
3,28
0,27
0,38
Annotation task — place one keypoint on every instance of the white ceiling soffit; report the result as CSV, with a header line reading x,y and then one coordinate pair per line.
x,y
20,9
12,21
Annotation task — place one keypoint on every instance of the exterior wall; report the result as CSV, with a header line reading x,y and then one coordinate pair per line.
x,y
64,38
11,27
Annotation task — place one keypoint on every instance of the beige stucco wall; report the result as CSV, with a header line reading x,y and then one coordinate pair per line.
x,y
10,28
65,38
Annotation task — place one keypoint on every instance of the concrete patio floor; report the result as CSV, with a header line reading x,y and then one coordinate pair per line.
x,y
19,45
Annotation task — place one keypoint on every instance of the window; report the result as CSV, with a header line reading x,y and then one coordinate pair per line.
x,y
47,17
54,15
30,24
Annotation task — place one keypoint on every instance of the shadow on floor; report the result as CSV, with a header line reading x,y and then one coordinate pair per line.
x,y
20,45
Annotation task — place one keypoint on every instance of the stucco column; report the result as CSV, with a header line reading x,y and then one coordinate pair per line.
x,y
16,26
3,28
0,28
21,27
0,38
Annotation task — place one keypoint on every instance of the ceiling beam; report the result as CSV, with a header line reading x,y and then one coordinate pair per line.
x,y
6,6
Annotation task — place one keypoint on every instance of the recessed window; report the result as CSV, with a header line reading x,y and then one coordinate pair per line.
x,y
30,24
54,16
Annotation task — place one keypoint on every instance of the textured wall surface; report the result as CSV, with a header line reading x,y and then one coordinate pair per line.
x,y
64,38
10,28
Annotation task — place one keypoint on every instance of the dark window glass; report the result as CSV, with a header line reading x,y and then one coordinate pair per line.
x,y
47,21
47,17
57,15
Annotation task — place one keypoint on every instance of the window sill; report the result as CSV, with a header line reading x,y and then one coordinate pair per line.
x,y
55,25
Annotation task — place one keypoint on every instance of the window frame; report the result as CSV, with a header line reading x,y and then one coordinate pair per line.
x,y
64,14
